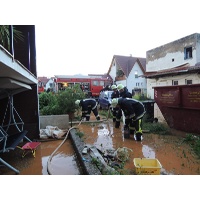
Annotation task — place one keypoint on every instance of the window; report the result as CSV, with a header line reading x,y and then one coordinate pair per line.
x,y
188,82
136,74
174,82
120,73
95,83
187,52
101,83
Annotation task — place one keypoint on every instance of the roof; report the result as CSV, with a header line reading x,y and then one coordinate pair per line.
x,y
126,63
186,68
43,79
100,76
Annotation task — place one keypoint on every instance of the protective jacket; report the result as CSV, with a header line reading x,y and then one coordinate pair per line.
x,y
125,93
132,108
89,105
115,94
115,110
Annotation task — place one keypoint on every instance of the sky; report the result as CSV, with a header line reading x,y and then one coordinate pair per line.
x,y
82,36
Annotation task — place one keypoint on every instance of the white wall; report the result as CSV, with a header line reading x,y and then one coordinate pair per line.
x,y
172,54
167,81
131,81
113,71
49,83
167,63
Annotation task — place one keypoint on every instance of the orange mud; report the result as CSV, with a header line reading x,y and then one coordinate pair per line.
x,y
175,157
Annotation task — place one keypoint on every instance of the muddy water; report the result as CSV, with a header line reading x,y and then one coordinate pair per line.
x,y
174,156
63,161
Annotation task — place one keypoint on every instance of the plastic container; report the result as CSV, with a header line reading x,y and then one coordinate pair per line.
x,y
147,166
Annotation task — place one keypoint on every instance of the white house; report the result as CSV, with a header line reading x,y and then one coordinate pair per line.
x,y
175,63
51,85
129,71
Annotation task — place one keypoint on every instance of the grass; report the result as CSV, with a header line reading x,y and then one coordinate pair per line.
x,y
157,128
194,142
80,134
106,113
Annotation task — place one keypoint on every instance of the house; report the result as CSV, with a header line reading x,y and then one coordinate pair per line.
x,y
18,82
129,71
176,63
44,80
48,83
51,85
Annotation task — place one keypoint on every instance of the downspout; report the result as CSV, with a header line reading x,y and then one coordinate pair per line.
x,y
11,40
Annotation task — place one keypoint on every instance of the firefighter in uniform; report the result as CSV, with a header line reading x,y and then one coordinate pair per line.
x,y
134,111
124,93
88,105
115,94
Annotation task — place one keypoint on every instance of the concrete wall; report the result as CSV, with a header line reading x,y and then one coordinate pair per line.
x,y
61,121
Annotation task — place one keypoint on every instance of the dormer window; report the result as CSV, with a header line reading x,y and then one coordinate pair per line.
x,y
136,74
187,52
120,73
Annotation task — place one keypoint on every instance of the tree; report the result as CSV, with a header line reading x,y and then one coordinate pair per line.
x,y
5,35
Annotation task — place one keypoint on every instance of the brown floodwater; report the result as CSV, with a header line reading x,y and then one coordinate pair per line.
x,y
175,157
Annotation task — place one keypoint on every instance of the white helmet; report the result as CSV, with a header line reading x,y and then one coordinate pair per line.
x,y
114,87
120,87
114,102
77,102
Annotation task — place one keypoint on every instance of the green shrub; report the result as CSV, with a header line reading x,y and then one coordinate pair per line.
x,y
60,103
46,99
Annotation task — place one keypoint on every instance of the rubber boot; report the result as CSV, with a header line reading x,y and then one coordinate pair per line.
x,y
87,118
117,124
98,118
126,132
138,136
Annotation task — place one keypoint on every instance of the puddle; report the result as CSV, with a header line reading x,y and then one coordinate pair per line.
x,y
174,158
148,152
165,148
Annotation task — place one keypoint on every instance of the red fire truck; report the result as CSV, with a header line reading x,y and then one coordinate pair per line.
x,y
90,85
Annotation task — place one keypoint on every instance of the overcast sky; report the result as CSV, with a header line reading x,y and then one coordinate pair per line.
x,y
81,36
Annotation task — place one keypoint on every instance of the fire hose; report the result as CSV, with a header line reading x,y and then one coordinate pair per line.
x,y
73,127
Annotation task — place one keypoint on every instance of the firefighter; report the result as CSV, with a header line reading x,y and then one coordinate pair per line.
x,y
123,91
133,111
88,105
115,94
